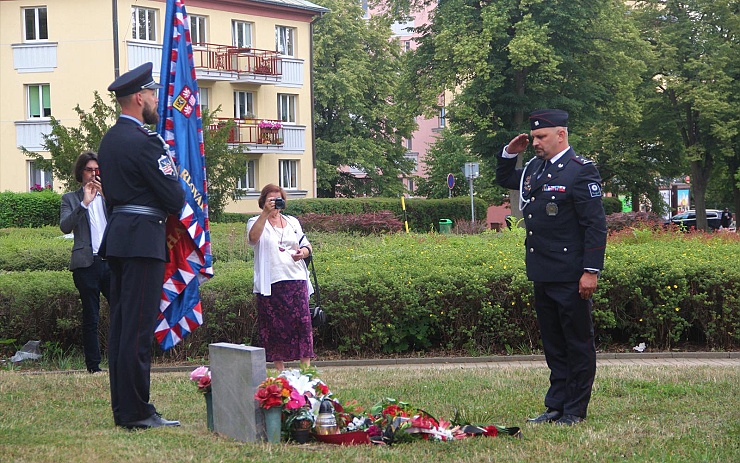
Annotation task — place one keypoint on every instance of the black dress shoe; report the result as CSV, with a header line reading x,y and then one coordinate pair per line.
x,y
548,416
568,420
154,421
94,370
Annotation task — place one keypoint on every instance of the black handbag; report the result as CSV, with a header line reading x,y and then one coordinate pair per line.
x,y
318,316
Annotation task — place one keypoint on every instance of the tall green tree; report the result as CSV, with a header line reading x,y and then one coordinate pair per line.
x,y
506,58
696,82
360,121
448,156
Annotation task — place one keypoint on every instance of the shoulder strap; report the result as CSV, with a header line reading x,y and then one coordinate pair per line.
x,y
315,283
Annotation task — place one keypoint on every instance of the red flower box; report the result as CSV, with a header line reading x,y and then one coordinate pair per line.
x,y
347,438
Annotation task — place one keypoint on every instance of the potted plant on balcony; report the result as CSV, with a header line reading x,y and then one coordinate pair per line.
x,y
248,118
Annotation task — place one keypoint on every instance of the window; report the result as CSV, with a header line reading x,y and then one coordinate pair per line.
x,y
365,10
289,174
38,178
406,45
442,117
243,105
34,23
39,100
284,40
242,34
198,30
143,24
410,185
247,181
204,97
286,107
409,144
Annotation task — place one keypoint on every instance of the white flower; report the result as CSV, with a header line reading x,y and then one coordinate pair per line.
x,y
301,383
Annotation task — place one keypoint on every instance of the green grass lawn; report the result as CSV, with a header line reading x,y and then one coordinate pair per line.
x,y
638,413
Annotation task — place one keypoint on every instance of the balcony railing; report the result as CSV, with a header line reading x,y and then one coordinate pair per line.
x,y
245,63
248,133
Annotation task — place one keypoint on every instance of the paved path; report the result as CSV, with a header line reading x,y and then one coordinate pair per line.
x,y
718,359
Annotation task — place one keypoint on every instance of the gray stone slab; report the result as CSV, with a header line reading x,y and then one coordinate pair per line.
x,y
237,370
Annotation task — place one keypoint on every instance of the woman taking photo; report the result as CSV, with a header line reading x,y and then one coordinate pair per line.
x,y
281,283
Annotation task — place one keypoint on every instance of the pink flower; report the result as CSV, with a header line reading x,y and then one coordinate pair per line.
x,y
296,400
199,373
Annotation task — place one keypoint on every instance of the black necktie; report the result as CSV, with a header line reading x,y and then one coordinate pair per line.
x,y
542,169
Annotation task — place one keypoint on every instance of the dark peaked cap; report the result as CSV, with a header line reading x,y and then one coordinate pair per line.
x,y
134,81
548,118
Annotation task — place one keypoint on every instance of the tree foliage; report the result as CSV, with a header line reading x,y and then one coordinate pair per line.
x,y
65,144
224,165
696,80
360,121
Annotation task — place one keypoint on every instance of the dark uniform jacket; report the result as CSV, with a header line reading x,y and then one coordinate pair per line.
x,y
136,169
76,219
565,222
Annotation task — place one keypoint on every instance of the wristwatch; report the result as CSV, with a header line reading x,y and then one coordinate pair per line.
x,y
592,271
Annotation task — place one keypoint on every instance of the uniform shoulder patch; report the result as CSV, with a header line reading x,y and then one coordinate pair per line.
x,y
164,163
594,189
147,132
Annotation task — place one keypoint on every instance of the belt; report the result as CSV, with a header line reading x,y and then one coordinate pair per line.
x,y
137,209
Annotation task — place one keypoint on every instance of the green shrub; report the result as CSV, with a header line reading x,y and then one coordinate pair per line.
x,y
34,209
611,205
399,293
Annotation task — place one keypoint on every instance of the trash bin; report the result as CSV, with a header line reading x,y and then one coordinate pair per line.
x,y
445,226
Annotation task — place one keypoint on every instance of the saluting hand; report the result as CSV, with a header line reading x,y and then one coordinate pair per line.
x,y
518,144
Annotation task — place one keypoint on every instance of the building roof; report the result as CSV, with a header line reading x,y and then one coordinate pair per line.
x,y
300,4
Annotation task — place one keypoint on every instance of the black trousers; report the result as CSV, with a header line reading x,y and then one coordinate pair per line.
x,y
136,289
90,282
567,333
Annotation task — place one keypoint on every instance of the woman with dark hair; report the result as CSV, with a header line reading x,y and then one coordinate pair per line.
x,y
281,283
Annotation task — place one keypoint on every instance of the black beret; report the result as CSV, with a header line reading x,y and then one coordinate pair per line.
x,y
548,118
134,81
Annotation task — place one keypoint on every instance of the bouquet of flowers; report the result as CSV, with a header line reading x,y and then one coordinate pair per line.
x,y
268,124
202,376
273,392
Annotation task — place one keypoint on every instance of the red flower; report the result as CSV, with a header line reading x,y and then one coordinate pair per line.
x,y
323,388
490,431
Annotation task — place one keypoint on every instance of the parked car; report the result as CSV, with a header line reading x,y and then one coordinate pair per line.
x,y
687,220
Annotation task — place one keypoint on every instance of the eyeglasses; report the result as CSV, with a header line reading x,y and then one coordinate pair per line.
x,y
92,170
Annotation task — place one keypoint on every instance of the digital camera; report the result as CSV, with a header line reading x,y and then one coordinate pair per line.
x,y
279,203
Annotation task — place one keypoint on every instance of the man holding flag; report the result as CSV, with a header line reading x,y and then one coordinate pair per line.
x,y
185,242
141,189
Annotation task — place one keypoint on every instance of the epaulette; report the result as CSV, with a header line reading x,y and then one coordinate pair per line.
x,y
581,160
149,133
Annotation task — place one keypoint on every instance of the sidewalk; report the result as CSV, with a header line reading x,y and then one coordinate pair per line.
x,y
689,359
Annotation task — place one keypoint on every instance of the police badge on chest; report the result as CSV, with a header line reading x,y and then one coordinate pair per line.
x,y
551,209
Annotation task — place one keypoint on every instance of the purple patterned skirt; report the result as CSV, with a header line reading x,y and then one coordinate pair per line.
x,y
284,322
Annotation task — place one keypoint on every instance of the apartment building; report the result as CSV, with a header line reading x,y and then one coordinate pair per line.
x,y
252,58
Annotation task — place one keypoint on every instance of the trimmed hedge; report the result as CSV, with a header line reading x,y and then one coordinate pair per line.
x,y
34,209
423,215
399,293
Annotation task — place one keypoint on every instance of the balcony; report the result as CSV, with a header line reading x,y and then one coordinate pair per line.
x,y
226,63
248,134
246,65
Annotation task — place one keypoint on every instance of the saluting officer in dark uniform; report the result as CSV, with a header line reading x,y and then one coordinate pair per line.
x,y
141,188
560,197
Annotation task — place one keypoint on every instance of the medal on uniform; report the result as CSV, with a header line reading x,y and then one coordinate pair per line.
x,y
551,209
527,183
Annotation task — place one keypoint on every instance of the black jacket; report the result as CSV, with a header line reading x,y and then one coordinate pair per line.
x,y
565,221
136,169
